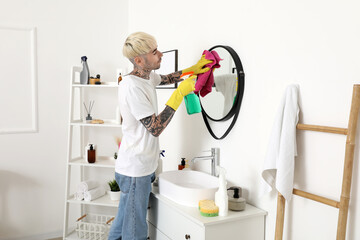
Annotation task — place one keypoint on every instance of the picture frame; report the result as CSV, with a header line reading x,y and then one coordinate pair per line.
x,y
169,64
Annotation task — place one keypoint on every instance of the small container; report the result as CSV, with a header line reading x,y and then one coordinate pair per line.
x,y
87,147
236,202
182,165
187,164
91,154
119,78
96,80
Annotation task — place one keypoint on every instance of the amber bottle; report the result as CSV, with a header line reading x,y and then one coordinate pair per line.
x,y
91,154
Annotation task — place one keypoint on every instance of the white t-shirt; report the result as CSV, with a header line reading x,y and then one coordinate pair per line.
x,y
139,150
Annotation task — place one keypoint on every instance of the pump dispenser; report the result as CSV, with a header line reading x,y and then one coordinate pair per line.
x,y
221,197
91,154
236,202
182,165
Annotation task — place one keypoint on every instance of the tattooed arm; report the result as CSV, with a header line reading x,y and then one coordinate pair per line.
x,y
171,78
156,124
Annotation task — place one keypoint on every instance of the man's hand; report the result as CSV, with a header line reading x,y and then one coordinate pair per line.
x,y
185,87
199,67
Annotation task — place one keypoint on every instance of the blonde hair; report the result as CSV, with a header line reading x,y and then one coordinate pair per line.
x,y
138,43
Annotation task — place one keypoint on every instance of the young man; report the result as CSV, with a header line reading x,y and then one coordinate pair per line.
x,y
139,152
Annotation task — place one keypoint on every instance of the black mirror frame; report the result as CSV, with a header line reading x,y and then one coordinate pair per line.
x,y
234,111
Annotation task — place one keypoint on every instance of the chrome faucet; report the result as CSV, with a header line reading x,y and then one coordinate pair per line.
x,y
215,160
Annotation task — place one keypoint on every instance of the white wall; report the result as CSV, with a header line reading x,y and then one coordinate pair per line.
x,y
311,43
32,165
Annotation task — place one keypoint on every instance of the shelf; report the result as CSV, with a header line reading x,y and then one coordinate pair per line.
x,y
102,85
101,161
102,201
107,123
79,130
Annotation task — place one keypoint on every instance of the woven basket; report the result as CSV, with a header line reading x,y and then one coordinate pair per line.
x,y
94,226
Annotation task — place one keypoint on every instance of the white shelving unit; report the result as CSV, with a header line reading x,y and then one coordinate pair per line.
x,y
80,163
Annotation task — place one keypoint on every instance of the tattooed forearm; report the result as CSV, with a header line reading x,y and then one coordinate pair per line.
x,y
156,124
171,78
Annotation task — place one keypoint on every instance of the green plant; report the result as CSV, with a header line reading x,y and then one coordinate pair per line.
x,y
114,187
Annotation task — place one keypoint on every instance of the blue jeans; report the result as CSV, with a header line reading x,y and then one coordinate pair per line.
x,y
130,221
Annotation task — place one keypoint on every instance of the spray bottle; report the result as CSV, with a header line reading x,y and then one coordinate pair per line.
x,y
192,101
221,197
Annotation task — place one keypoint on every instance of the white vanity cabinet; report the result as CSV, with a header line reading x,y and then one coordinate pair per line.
x,y
171,221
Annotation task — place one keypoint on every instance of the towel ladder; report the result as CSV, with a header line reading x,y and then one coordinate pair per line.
x,y
343,204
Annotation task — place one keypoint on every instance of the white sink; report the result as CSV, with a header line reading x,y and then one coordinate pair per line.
x,y
188,187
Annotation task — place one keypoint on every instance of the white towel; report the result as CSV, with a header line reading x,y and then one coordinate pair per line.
x,y
87,185
79,196
226,84
94,193
278,170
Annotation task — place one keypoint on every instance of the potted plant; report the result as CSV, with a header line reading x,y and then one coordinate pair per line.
x,y
114,190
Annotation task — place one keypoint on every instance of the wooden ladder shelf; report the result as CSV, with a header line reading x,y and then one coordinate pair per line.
x,y
343,204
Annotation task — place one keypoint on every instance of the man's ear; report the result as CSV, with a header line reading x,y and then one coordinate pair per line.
x,y
138,61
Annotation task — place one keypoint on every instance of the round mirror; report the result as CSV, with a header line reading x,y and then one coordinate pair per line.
x,y
224,101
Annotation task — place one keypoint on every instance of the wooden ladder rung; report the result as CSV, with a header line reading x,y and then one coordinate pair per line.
x,y
316,198
317,128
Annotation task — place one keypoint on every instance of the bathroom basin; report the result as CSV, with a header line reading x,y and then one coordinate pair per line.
x,y
188,187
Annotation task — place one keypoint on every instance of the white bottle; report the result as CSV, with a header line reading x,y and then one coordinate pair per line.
x,y
221,197
117,115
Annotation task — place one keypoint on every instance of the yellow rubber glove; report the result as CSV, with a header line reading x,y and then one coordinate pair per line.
x,y
198,68
185,87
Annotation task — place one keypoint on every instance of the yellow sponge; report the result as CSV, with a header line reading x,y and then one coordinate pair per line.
x,y
208,208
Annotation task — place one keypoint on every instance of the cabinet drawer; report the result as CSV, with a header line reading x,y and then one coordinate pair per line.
x,y
155,234
173,224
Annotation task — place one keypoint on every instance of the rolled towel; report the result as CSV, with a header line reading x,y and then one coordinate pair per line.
x,y
79,196
94,193
87,185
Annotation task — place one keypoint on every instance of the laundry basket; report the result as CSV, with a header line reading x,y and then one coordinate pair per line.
x,y
93,226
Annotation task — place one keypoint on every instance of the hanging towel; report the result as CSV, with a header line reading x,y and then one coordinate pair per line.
x,y
205,81
278,169
94,193
226,84
87,185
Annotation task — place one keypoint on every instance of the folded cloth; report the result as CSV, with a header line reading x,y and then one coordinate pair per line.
x,y
94,193
278,169
87,185
205,81
79,196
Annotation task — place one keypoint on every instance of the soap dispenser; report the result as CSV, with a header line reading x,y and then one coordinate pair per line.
x,y
182,165
221,197
236,202
91,154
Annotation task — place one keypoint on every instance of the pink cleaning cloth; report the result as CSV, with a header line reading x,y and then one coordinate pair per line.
x,y
205,81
